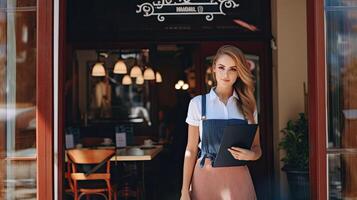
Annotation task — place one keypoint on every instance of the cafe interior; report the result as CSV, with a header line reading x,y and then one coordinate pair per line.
x,y
127,83
127,103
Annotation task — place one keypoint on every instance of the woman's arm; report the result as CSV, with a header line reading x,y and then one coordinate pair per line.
x,y
256,145
190,159
254,153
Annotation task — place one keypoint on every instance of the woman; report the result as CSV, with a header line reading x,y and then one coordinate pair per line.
x,y
232,99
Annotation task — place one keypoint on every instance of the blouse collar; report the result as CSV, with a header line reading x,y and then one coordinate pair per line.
x,y
213,94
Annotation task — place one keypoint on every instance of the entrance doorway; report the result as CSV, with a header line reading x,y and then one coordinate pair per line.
x,y
196,51
186,61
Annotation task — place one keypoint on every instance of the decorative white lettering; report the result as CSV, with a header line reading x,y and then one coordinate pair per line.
x,y
186,9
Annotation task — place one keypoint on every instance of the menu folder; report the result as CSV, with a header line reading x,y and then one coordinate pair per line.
x,y
242,136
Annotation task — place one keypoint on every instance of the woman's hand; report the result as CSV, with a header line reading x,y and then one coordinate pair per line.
x,y
185,195
243,154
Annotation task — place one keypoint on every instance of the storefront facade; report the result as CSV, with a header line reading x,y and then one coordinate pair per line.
x,y
33,117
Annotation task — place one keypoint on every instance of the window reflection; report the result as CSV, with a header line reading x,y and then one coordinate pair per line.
x,y
342,176
18,99
342,73
341,49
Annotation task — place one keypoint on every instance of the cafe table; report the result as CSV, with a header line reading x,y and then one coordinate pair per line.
x,y
149,154
123,155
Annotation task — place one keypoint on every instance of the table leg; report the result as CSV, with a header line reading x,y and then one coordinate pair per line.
x,y
143,180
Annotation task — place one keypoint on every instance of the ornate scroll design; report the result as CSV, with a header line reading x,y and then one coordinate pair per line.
x,y
162,8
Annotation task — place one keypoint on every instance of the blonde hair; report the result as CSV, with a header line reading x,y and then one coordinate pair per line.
x,y
244,85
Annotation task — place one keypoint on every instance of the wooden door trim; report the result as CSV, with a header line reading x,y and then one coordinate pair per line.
x,y
44,86
317,99
62,61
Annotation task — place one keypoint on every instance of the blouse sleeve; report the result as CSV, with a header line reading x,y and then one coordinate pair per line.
x,y
193,114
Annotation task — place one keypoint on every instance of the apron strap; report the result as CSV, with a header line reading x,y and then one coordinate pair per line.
x,y
203,117
205,138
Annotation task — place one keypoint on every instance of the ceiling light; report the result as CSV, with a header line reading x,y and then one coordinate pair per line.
x,y
149,74
98,69
120,67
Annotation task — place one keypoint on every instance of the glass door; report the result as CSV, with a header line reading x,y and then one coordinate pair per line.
x,y
18,99
25,113
341,64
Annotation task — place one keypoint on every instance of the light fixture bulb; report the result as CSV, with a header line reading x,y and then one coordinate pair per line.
x,y
180,83
177,86
185,86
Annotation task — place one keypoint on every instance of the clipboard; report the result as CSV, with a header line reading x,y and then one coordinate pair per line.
x,y
241,135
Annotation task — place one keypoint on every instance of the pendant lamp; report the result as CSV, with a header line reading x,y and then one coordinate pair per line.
x,y
149,74
120,67
158,77
135,71
98,70
126,80
139,80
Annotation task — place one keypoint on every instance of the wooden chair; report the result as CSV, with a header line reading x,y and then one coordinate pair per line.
x,y
98,183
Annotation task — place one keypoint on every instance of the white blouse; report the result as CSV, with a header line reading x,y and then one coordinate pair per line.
x,y
215,109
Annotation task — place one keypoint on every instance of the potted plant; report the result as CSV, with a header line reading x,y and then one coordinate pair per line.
x,y
296,162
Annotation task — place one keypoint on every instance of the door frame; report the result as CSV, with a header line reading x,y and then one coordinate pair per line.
x,y
44,86
65,51
317,99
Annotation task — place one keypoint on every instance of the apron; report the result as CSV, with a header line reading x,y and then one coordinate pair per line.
x,y
224,182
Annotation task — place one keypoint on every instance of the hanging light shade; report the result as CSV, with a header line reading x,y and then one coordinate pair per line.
x,y
98,69
139,80
149,74
126,80
158,77
120,67
135,72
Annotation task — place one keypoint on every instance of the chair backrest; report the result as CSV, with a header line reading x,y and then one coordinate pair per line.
x,y
89,156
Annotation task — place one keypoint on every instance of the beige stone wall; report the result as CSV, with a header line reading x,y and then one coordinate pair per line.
x,y
289,72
